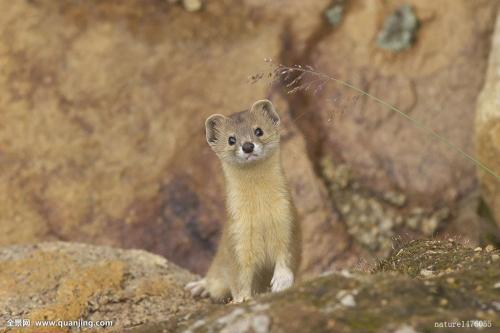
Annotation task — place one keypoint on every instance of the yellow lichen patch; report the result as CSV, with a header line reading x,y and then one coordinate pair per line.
x,y
40,271
157,286
77,289
60,287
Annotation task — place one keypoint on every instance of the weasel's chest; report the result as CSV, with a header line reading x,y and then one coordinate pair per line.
x,y
258,222
259,210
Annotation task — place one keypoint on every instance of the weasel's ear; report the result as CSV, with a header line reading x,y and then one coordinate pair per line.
x,y
267,109
212,127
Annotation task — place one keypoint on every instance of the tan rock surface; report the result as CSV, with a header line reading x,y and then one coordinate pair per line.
x,y
102,106
142,293
394,297
101,123
67,281
436,81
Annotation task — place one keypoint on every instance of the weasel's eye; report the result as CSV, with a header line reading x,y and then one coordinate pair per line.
x,y
231,140
259,131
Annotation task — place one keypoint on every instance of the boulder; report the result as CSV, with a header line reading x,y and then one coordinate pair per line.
x,y
422,286
436,80
68,281
102,123
402,179
102,106
487,129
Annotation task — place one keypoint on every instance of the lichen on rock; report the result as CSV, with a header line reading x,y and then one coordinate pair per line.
x,y
335,12
393,298
420,283
372,220
399,30
69,281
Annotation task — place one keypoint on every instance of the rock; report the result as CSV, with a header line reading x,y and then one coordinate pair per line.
x,y
68,281
390,299
143,293
192,5
260,324
348,300
375,222
334,13
385,151
430,224
399,30
102,136
426,272
487,129
368,222
405,329
106,103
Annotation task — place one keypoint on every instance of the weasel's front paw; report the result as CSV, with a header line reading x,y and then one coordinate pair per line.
x,y
198,288
282,279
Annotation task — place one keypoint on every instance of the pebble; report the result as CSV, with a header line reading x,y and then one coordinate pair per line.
x,y
495,257
428,226
260,323
345,273
426,272
192,5
348,300
405,329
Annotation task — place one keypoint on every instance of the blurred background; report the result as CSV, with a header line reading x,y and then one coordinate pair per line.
x,y
103,103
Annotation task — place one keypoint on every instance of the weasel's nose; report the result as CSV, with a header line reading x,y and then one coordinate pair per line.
x,y
248,147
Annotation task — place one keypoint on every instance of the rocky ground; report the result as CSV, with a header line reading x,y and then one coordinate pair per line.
x,y
103,104
68,281
420,285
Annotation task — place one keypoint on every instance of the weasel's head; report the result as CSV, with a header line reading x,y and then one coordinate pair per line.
x,y
245,137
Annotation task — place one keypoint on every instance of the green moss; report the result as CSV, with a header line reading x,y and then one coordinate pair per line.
x,y
433,256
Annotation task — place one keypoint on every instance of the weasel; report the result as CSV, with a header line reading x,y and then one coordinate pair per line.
x,y
259,249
